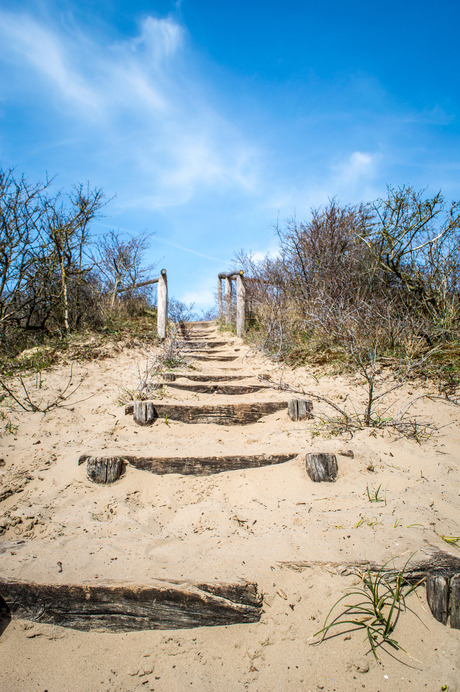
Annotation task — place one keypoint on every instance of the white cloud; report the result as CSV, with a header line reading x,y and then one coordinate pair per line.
x,y
142,103
357,166
25,40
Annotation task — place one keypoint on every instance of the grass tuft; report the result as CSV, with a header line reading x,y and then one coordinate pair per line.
x,y
376,609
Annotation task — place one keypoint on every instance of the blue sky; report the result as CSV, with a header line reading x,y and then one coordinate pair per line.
x,y
207,121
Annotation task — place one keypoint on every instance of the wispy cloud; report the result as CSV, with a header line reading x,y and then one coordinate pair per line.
x,y
145,107
24,40
356,174
208,155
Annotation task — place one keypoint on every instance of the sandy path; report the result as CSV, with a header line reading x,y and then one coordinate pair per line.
x,y
227,527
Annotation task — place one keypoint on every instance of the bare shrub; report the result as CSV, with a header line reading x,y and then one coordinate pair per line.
x,y
415,241
381,278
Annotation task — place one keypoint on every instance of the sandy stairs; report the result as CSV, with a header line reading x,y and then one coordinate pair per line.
x,y
202,340
233,396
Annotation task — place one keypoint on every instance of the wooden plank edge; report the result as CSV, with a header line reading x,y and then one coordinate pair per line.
x,y
132,607
199,466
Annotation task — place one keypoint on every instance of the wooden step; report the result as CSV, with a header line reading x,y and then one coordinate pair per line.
x,y
147,412
200,332
202,349
209,378
217,388
128,607
208,344
205,466
216,359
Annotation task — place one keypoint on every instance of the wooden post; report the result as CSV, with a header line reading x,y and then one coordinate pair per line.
x,y
240,305
299,409
162,304
219,297
437,595
228,300
144,412
322,467
454,602
104,469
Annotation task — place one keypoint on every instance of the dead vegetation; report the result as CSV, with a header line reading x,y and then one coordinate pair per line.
x,y
373,290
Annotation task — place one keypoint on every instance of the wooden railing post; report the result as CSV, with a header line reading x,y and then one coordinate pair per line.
x,y
228,300
240,305
162,304
219,297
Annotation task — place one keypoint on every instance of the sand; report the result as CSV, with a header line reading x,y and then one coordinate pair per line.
x,y
271,525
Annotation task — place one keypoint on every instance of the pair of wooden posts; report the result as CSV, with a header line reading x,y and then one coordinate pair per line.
x,y
225,306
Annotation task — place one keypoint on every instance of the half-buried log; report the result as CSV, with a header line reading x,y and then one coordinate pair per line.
x,y
146,412
212,344
205,466
322,467
215,358
212,378
425,561
300,409
128,607
218,388
104,470
195,346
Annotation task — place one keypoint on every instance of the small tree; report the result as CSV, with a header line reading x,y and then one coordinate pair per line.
x,y
415,241
44,241
122,262
66,227
21,215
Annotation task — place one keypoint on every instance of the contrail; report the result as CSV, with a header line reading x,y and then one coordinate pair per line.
x,y
187,249
167,242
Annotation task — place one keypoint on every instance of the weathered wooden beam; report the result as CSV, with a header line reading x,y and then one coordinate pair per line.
x,y
322,467
424,561
300,409
192,349
162,307
104,470
216,358
210,378
206,345
217,388
141,285
205,466
230,275
128,607
146,412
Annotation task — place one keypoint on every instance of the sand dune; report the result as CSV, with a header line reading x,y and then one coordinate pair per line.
x,y
271,525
